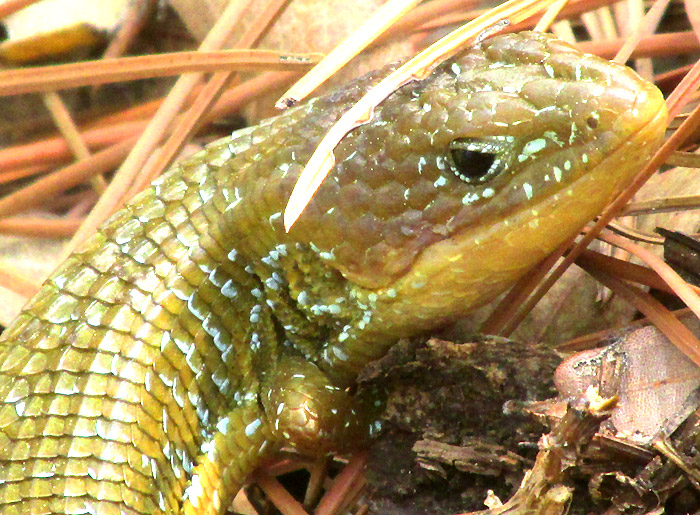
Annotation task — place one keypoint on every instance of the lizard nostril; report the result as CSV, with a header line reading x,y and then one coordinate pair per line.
x,y
592,122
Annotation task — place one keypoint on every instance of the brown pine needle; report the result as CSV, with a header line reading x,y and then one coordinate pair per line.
x,y
598,338
135,18
53,151
668,80
278,495
626,271
657,45
686,159
40,227
357,41
289,462
63,179
635,234
322,160
574,8
662,205
687,293
685,89
204,100
645,28
126,175
62,76
21,173
230,100
342,485
10,6
599,24
319,472
78,205
141,111
13,160
661,317
113,129
353,493
66,126
425,12
550,15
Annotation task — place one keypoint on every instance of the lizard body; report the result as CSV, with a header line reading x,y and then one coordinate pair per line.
x,y
191,336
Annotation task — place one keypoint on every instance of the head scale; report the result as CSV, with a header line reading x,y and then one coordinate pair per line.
x,y
463,181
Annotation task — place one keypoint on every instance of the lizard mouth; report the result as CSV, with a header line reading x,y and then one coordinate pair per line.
x,y
454,276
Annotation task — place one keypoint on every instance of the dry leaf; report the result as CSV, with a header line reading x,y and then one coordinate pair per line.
x,y
655,382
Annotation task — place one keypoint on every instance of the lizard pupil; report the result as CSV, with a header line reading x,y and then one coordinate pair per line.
x,y
471,165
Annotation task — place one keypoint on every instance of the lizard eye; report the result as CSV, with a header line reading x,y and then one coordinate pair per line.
x,y
474,161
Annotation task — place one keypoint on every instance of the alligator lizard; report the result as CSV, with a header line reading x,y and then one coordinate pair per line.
x,y
191,336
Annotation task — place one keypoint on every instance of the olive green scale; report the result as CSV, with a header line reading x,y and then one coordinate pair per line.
x,y
191,337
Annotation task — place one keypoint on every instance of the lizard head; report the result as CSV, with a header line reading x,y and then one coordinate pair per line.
x,y
465,180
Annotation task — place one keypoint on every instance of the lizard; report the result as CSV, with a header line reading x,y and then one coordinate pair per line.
x,y
191,336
